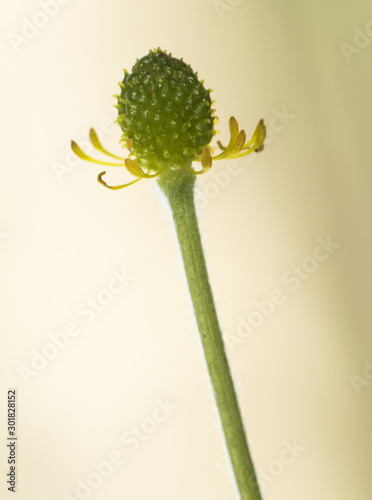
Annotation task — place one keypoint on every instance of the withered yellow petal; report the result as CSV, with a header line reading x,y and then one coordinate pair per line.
x,y
80,153
97,144
121,186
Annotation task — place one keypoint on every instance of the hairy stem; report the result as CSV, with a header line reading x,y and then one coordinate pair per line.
x,y
178,186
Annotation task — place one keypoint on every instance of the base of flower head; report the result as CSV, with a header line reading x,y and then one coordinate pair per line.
x,y
236,148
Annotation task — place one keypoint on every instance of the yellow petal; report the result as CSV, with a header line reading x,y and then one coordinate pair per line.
x,y
206,159
80,153
256,143
258,136
239,142
234,128
97,144
234,135
133,167
121,186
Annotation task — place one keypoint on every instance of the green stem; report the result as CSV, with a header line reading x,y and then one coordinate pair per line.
x,y
178,186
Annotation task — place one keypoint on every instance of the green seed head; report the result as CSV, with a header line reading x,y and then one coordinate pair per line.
x,y
164,111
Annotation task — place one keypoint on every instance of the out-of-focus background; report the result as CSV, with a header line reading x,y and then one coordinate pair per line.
x,y
97,331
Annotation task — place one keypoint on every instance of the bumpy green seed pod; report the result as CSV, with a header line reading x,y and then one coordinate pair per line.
x,y
164,111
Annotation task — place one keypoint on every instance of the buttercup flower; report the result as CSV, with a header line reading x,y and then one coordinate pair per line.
x,y
166,116
167,120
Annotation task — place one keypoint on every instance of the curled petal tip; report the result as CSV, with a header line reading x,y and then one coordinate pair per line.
x,y
121,186
99,178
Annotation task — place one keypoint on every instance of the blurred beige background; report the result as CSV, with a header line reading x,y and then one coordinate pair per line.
x,y
302,374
